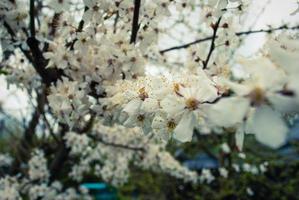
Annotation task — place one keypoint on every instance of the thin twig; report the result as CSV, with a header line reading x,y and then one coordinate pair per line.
x,y
123,146
54,24
135,25
212,47
71,44
115,22
35,56
50,129
270,30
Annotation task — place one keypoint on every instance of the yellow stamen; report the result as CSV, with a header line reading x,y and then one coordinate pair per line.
x,y
192,103
142,94
257,96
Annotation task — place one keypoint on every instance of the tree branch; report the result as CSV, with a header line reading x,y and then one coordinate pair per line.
x,y
48,75
60,157
135,25
212,47
23,147
54,24
35,56
63,152
79,29
123,146
31,15
270,30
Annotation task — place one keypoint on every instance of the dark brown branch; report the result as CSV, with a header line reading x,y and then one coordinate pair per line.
x,y
79,29
212,47
115,22
10,31
31,15
35,56
81,25
54,24
50,129
59,160
60,157
270,30
184,46
12,34
135,25
63,152
48,75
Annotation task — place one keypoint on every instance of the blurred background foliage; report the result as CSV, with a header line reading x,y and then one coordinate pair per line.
x,y
280,181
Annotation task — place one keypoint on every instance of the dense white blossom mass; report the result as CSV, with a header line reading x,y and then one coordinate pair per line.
x,y
91,57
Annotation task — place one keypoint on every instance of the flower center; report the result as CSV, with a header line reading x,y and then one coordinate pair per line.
x,y
176,88
142,94
171,125
192,103
140,118
257,96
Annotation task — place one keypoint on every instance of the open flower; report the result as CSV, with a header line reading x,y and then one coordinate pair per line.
x,y
144,102
186,103
164,125
257,91
94,11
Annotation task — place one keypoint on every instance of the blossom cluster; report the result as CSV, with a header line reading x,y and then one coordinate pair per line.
x,y
37,184
92,57
214,103
113,149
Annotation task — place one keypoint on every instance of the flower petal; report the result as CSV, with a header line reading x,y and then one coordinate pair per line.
x,y
239,137
227,112
172,105
184,130
269,127
133,106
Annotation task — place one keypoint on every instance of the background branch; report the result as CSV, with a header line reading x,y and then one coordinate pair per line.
x,y
24,146
270,30
133,148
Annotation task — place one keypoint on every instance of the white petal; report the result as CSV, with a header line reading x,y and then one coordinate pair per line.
x,y
239,137
212,2
269,127
222,4
172,105
131,121
295,11
285,58
284,104
206,92
158,122
133,106
88,3
227,112
259,70
149,105
184,130
239,89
